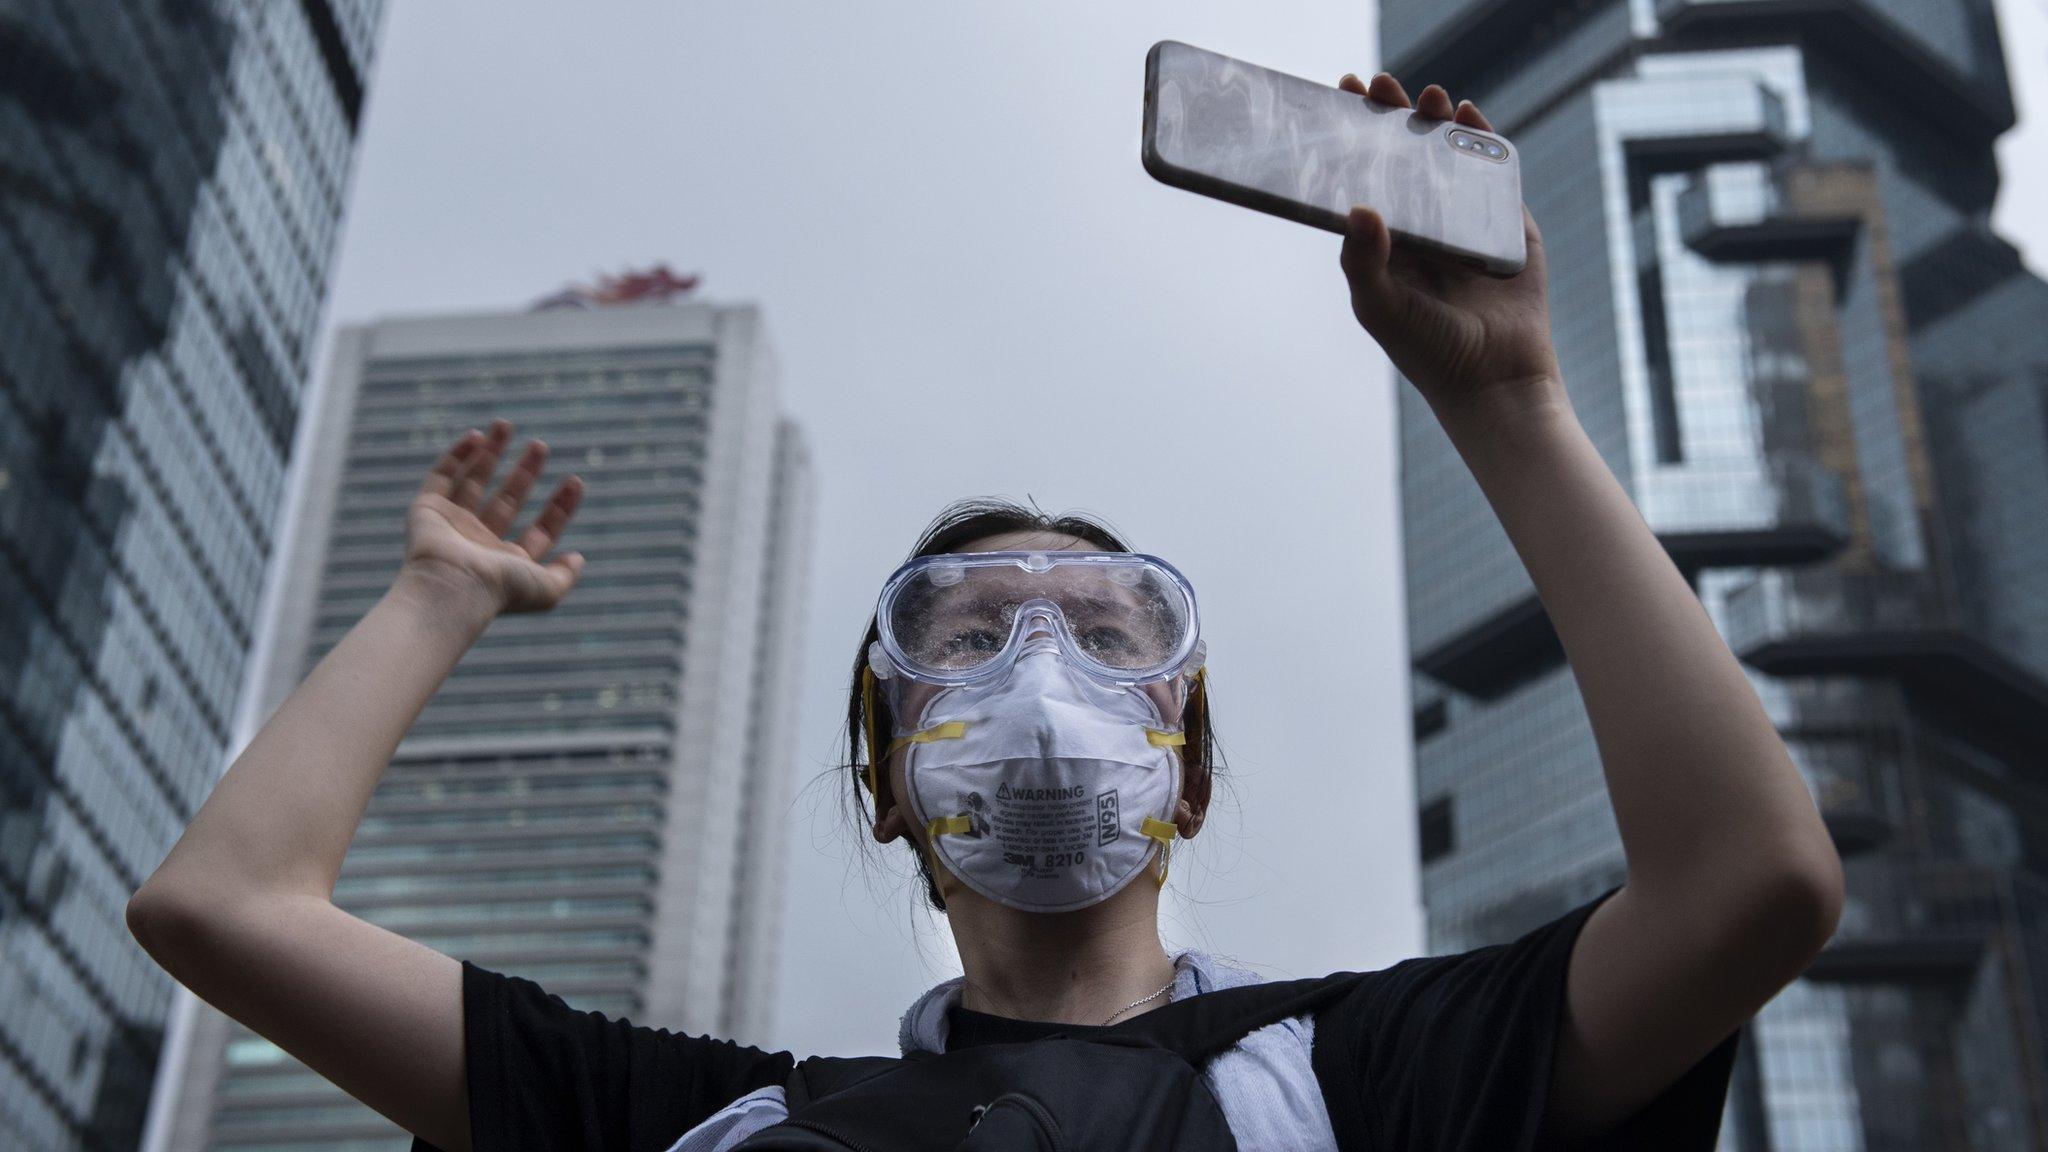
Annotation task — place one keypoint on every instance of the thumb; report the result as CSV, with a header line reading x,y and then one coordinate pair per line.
x,y
1367,247
561,575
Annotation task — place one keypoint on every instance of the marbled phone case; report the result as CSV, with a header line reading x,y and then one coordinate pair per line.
x,y
1308,152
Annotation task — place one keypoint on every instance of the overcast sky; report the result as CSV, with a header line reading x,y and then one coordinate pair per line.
x,y
974,289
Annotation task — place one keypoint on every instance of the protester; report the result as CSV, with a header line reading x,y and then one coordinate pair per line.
x,y
1029,714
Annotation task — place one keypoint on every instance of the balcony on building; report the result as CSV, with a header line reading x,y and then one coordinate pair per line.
x,y
1876,622
1822,619
1741,211
1793,510
1680,122
1917,45
1914,919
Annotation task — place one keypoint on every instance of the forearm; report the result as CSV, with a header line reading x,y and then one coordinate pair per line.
x,y
1704,790
281,819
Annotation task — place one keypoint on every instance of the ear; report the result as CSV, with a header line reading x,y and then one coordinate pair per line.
x,y
1195,779
1194,801
892,826
892,822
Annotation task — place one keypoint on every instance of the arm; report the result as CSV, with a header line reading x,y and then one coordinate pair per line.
x,y
240,911
1733,883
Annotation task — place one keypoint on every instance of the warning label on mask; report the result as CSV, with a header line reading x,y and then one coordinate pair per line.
x,y
1044,831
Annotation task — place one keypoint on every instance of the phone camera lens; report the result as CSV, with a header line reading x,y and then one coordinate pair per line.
x,y
1466,141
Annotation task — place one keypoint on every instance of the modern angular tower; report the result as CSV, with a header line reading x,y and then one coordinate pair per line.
x,y
172,178
1786,324
597,798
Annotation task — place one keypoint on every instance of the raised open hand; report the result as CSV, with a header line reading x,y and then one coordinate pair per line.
x,y
1465,338
456,537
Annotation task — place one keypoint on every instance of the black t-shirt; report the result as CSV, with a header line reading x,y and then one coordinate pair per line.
x,y
1434,1054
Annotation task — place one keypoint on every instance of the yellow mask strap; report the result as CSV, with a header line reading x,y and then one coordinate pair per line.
x,y
1160,830
950,730
1163,832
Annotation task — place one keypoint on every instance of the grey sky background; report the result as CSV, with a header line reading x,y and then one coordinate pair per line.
x,y
975,289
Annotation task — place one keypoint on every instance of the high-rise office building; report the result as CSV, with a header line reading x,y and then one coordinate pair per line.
x,y
596,799
1786,324
171,184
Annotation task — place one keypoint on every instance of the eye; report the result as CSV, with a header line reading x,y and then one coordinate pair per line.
x,y
1103,638
975,640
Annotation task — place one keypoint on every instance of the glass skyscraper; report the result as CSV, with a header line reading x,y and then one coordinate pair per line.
x,y
597,798
172,177
1788,327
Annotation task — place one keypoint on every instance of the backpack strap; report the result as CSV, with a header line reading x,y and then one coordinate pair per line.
x,y
1202,1027
821,1076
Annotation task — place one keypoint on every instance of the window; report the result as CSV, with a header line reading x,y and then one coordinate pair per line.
x,y
1435,829
1430,719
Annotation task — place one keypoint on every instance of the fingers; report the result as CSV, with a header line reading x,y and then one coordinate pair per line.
x,y
1387,90
1367,247
1470,116
447,472
539,588
498,513
1435,102
477,468
561,575
547,527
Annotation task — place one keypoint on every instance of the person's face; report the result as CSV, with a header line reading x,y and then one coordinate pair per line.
x,y
894,818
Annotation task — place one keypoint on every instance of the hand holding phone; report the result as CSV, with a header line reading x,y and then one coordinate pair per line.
x,y
1476,346
1307,152
1471,336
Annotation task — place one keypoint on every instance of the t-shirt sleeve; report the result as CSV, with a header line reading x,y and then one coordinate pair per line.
x,y
543,1075
1444,1053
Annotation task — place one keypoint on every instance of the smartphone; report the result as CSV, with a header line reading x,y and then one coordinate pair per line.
x,y
1266,140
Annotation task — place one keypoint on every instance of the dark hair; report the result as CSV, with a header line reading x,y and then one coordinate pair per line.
x,y
957,524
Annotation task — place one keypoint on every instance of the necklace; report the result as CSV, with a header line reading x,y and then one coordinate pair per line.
x,y
1163,989
1113,1016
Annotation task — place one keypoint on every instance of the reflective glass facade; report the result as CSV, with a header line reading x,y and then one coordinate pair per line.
x,y
1790,332
171,182
594,800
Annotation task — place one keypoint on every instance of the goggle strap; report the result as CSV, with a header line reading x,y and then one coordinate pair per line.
x,y
950,730
867,713
1164,833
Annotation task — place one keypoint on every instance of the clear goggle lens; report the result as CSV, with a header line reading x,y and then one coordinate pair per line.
x,y
954,616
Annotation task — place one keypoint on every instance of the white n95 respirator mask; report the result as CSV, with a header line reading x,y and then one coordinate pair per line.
x,y
1042,773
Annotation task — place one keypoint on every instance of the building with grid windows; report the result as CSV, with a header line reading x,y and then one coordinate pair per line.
x,y
1790,331
596,799
171,184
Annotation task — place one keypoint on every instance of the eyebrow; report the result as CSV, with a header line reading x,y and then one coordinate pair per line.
x,y
1099,603
955,599
980,600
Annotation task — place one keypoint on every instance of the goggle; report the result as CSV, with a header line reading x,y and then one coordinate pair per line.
x,y
1122,618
